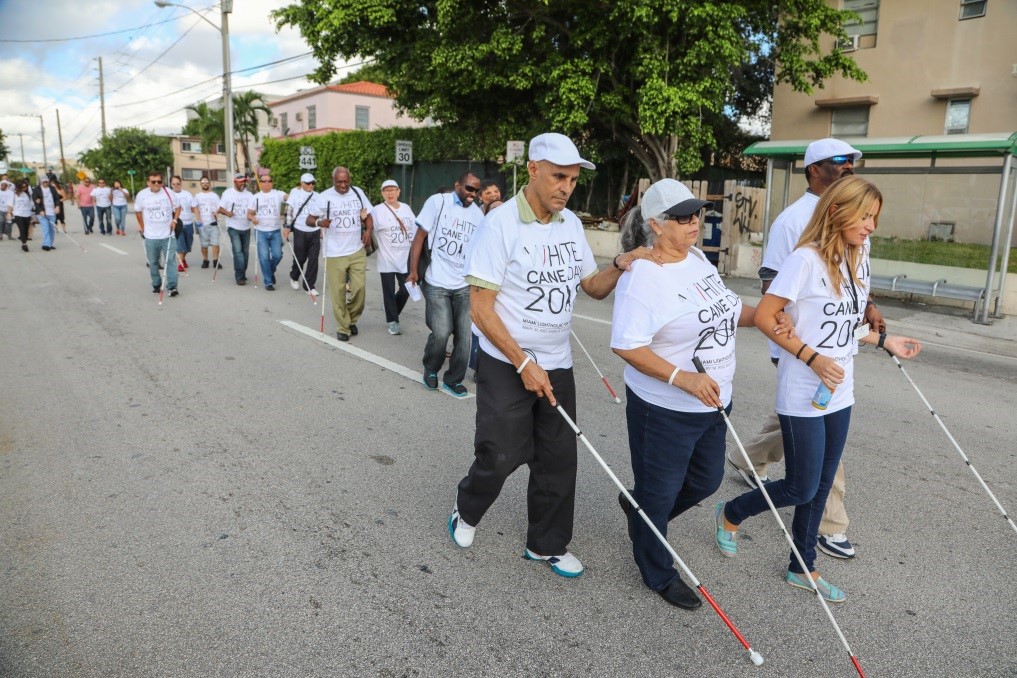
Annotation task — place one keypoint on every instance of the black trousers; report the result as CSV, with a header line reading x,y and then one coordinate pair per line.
x,y
24,227
394,294
515,428
307,247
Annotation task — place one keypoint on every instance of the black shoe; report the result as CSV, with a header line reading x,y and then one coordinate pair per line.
x,y
204,264
431,380
354,331
679,594
271,288
24,247
626,508
45,248
174,292
155,289
241,282
217,264
342,337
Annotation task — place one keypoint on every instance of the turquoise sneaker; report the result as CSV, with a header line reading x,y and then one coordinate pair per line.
x,y
830,593
726,539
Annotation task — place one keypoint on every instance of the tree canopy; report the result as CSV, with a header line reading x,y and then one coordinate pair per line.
x,y
652,76
4,151
127,148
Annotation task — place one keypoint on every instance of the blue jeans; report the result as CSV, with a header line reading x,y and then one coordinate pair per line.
x,y
154,250
812,450
677,462
105,226
88,216
447,313
240,242
269,254
186,239
119,215
48,225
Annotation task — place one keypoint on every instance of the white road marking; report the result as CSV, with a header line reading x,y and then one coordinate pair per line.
x,y
591,318
113,249
412,375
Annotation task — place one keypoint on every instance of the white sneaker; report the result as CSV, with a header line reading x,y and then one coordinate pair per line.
x,y
314,291
294,284
393,328
461,533
566,565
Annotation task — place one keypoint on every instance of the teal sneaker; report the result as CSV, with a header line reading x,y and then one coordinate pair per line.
x,y
830,593
726,539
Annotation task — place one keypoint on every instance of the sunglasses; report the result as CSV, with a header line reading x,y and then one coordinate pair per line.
x,y
839,160
155,181
685,219
470,189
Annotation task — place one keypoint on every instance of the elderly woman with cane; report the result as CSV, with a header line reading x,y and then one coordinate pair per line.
x,y
823,285
664,317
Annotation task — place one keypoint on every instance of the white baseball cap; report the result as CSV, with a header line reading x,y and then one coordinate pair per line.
x,y
389,182
307,178
828,148
557,148
669,196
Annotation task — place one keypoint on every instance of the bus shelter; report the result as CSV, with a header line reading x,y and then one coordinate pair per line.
x,y
960,188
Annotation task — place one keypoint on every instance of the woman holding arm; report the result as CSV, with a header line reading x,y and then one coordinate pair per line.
x,y
118,197
664,316
823,286
22,211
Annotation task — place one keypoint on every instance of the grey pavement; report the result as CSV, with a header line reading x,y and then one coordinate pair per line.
x,y
198,490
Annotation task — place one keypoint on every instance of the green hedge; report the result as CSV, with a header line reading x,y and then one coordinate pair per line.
x,y
369,155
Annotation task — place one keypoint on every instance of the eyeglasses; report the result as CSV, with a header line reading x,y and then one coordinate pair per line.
x,y
839,160
155,181
685,219
470,189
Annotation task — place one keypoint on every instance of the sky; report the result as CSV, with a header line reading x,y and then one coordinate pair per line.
x,y
143,68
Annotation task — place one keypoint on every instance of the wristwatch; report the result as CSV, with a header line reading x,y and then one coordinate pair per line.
x,y
882,340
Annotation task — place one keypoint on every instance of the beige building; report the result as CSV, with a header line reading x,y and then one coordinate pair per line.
x,y
192,162
934,67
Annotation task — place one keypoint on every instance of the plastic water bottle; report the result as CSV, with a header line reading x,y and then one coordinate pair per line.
x,y
822,397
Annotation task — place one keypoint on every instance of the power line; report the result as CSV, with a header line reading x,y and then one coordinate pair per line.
x,y
175,42
101,35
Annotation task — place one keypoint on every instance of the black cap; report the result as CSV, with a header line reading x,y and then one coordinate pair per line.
x,y
687,207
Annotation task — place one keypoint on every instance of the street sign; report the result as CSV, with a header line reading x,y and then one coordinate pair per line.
x,y
131,172
514,150
307,159
3,167
80,175
404,152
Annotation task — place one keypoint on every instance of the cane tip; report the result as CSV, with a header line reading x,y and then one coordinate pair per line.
x,y
756,658
617,400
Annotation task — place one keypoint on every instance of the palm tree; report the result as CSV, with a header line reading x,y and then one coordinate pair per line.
x,y
208,126
245,120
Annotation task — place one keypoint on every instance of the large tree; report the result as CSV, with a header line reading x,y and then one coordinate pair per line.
x,y
652,75
4,151
127,148
246,106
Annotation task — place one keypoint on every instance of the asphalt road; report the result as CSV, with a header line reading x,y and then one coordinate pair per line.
x,y
200,490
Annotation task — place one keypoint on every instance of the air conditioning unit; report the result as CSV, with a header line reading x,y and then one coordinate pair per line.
x,y
273,122
299,117
849,44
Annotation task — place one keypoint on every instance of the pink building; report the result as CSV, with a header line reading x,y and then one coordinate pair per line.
x,y
336,108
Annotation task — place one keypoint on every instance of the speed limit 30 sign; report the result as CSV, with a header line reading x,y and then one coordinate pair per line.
x,y
404,152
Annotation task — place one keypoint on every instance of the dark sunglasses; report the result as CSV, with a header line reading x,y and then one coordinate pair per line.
x,y
698,214
470,189
839,160
155,181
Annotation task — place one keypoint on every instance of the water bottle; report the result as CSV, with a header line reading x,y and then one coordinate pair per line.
x,y
822,397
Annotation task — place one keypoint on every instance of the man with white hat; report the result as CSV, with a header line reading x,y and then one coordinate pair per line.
x,y
306,239
47,206
525,269
6,208
826,161
394,228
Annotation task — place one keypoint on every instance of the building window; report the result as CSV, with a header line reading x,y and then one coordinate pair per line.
x,y
312,117
868,10
958,112
220,149
363,117
284,123
849,122
190,174
190,146
971,9
218,175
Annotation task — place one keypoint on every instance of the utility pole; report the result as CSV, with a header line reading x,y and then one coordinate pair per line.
x,y
63,161
42,127
22,138
227,91
102,99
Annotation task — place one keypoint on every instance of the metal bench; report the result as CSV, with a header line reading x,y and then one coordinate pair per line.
x,y
939,288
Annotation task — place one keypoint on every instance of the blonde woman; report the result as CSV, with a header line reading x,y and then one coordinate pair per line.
x,y
823,285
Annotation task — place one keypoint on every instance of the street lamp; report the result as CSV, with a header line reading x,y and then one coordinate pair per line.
x,y
227,94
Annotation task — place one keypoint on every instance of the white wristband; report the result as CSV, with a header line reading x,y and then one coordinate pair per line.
x,y
522,366
674,374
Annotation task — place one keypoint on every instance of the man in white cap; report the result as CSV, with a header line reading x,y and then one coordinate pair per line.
x,y
306,239
826,161
394,229
234,204
6,208
525,269
445,225
47,206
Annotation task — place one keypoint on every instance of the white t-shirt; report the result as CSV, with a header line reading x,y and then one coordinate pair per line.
x,y
156,209
267,206
118,196
101,195
450,226
824,319
236,202
48,203
207,203
394,236
538,268
343,237
785,232
23,204
681,311
185,201
6,199
302,200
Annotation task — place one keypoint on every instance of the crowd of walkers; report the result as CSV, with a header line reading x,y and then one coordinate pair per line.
x,y
501,280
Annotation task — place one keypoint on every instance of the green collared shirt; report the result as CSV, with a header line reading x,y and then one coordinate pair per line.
x,y
526,216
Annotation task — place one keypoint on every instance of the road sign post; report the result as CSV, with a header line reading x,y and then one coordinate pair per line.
x,y
513,154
